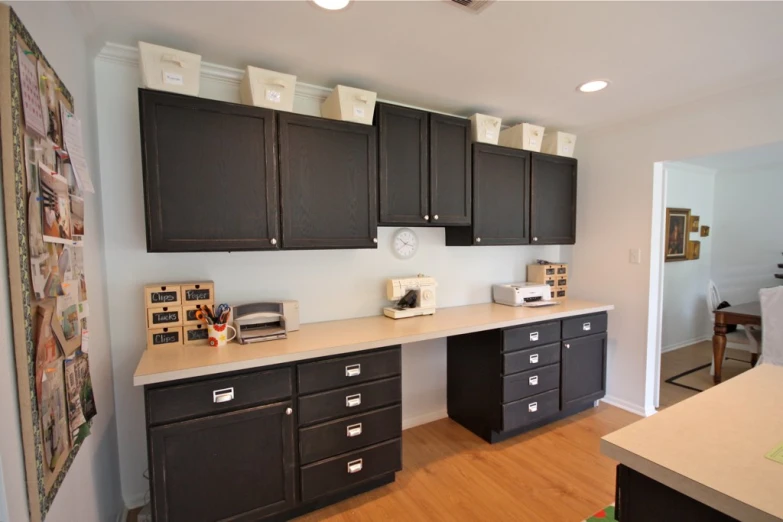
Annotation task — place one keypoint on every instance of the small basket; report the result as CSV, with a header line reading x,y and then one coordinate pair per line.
x,y
485,129
560,143
349,104
270,89
166,69
523,136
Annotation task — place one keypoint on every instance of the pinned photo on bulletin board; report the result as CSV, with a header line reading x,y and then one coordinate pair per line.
x,y
56,207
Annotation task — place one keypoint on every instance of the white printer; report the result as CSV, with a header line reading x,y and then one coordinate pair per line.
x,y
523,294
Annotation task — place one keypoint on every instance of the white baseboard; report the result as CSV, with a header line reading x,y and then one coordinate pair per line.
x,y
137,501
683,344
628,406
424,419
123,515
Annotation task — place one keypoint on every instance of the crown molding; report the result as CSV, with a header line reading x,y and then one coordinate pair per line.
x,y
128,55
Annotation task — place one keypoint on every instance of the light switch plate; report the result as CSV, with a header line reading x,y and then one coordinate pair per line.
x,y
635,257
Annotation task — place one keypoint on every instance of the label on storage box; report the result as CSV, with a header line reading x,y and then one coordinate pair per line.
x,y
273,95
173,78
358,112
166,337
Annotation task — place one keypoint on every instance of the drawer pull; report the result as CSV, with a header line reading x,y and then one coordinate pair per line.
x,y
354,430
533,380
351,401
534,336
353,370
533,406
224,395
355,466
586,327
534,359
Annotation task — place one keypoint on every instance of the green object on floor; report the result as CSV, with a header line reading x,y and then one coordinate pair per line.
x,y
605,515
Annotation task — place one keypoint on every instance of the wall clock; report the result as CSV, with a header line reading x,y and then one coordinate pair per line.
x,y
405,243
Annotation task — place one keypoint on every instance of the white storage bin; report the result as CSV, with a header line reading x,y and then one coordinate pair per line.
x,y
166,69
560,143
523,136
270,89
349,104
485,129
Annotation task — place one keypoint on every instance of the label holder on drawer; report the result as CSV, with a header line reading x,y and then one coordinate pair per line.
x,y
353,370
533,381
352,401
534,336
354,430
355,466
586,326
534,358
532,407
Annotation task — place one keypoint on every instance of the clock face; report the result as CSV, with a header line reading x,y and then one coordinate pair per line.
x,y
405,243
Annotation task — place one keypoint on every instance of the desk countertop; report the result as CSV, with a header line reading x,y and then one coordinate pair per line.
x,y
711,446
169,363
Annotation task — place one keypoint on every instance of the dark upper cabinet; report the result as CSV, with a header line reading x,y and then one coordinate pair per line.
x,y
450,172
210,174
328,175
553,200
424,167
237,466
583,370
501,199
403,165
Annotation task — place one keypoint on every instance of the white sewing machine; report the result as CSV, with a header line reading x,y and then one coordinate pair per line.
x,y
413,296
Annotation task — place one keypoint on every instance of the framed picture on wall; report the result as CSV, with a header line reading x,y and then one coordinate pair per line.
x,y
705,231
677,226
694,224
693,250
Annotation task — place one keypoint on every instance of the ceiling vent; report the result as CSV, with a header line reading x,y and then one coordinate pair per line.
x,y
475,6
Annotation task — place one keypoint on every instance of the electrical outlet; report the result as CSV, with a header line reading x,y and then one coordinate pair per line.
x,y
635,257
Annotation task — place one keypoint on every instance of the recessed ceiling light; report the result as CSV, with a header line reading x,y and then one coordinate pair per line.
x,y
594,86
332,5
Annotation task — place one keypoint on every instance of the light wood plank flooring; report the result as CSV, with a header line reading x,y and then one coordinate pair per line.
x,y
552,474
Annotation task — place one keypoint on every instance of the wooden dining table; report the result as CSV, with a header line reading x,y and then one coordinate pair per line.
x,y
746,313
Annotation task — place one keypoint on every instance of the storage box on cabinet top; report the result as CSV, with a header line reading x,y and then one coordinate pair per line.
x,y
166,69
485,129
270,89
560,143
349,104
523,136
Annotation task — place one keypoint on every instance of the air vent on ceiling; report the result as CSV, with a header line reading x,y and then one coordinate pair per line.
x,y
475,6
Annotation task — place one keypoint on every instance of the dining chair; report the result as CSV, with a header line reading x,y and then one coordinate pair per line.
x,y
772,319
745,338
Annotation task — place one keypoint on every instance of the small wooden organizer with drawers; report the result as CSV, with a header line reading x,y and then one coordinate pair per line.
x,y
170,310
554,275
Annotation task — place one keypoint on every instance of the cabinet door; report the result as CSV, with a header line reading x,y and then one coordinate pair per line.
x,y
583,370
553,200
235,466
328,175
210,174
501,195
403,165
450,172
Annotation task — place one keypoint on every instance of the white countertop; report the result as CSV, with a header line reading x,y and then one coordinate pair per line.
x,y
169,363
712,446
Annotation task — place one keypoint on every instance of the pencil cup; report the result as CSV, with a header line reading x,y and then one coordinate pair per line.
x,y
217,334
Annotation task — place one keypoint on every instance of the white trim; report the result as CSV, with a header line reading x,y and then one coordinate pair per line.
x,y
122,516
137,501
628,406
426,418
652,383
683,344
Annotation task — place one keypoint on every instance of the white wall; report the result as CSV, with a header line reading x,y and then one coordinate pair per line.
x,y
329,285
748,231
90,491
686,319
615,213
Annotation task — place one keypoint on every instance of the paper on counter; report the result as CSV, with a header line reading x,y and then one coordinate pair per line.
x,y
776,454
72,139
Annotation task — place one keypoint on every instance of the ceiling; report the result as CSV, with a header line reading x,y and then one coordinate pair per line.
x,y
765,156
518,60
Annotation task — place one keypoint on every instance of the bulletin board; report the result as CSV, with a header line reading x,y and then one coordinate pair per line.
x,y
45,181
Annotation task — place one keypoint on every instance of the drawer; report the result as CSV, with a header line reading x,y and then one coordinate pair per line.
x,y
527,411
584,325
344,371
349,401
524,360
525,384
199,399
352,468
349,433
533,335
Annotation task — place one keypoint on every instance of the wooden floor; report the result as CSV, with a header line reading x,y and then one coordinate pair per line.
x,y
555,473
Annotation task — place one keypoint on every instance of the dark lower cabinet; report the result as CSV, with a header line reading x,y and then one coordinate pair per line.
x,y
583,370
553,200
501,199
327,183
234,466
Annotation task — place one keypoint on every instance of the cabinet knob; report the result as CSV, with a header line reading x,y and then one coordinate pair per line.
x,y
435,217
535,239
288,411
426,217
273,241
478,240
375,240
568,345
